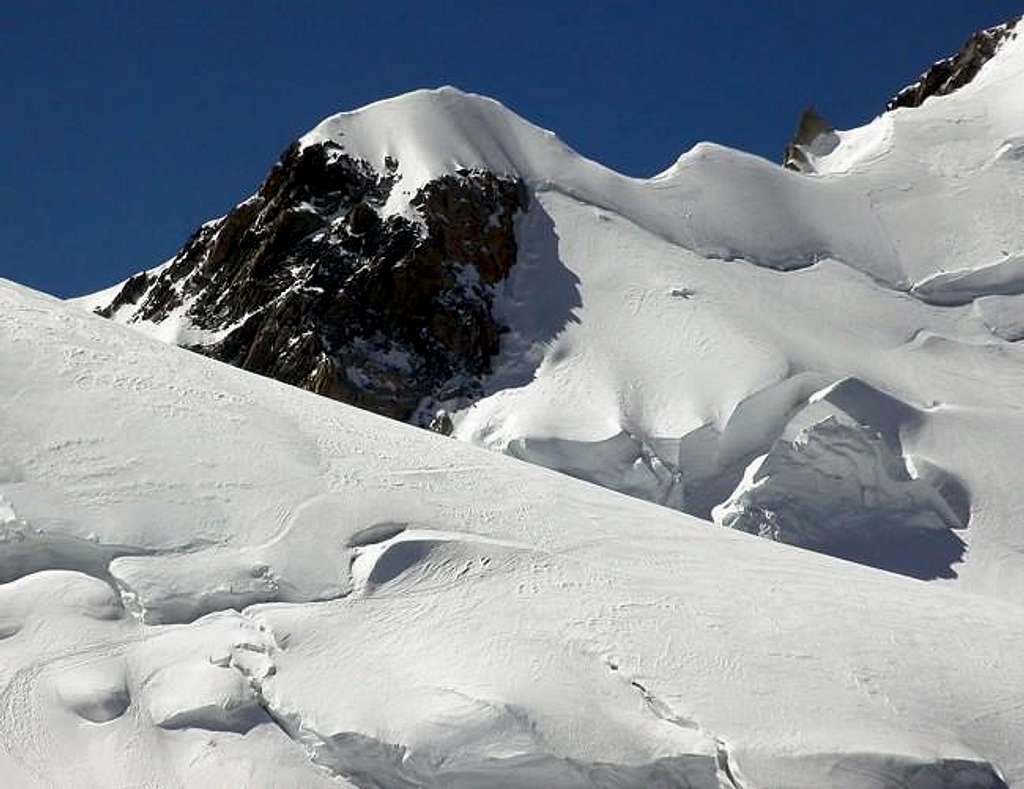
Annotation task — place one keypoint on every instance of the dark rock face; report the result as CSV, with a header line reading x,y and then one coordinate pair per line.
x,y
814,136
954,72
309,283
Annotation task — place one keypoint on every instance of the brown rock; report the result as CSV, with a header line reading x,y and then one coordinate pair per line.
x,y
315,288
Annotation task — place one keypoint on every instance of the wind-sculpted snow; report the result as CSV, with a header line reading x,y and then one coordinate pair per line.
x,y
429,614
693,204
951,157
1004,315
213,579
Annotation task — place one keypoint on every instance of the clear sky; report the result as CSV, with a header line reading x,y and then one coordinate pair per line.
x,y
125,125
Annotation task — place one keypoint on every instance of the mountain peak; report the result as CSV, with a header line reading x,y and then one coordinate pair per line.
x,y
431,132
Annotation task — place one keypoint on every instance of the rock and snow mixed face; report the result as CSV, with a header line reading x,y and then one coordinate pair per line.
x,y
311,282
950,74
437,252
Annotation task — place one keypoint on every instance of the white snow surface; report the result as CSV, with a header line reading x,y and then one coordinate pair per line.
x,y
212,579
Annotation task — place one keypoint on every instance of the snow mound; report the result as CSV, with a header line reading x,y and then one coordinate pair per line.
x,y
96,692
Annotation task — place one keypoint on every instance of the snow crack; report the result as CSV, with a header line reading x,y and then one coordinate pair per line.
x,y
728,771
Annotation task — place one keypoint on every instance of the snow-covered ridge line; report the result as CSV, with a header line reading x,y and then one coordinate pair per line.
x,y
431,132
428,133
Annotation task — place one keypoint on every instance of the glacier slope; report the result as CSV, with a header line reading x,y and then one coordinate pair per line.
x,y
415,611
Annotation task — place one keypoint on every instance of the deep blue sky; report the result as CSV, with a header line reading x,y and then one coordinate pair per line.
x,y
125,125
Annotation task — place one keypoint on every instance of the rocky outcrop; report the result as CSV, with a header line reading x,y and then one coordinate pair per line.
x,y
815,136
310,282
952,73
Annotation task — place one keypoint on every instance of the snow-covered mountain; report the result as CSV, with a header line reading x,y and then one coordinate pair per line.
x,y
796,354
213,578
208,578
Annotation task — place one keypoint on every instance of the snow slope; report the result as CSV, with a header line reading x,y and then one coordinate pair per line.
x,y
666,331
214,579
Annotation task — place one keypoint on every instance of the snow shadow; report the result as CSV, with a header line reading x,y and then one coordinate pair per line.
x,y
538,297
853,771
369,762
918,553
